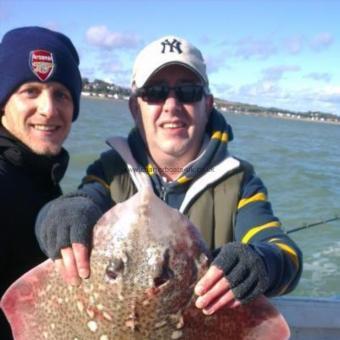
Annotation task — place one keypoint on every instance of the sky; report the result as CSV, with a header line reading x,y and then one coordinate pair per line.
x,y
273,53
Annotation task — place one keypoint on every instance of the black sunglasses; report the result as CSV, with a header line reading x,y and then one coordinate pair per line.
x,y
185,93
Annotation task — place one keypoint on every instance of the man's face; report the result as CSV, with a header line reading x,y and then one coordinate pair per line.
x,y
40,116
171,129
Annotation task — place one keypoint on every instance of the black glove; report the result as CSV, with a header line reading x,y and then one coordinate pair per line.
x,y
244,269
66,220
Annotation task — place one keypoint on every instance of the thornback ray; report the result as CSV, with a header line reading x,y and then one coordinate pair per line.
x,y
145,261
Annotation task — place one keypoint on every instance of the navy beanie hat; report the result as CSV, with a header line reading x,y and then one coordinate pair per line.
x,y
38,54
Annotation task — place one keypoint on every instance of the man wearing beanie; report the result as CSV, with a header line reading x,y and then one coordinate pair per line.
x,y
40,86
181,141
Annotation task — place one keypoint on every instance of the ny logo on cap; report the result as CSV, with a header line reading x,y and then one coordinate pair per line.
x,y
42,64
174,46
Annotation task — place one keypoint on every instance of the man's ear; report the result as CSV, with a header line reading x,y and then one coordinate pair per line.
x,y
2,114
133,105
209,104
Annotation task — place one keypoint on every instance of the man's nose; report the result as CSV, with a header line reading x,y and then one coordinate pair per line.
x,y
172,101
46,104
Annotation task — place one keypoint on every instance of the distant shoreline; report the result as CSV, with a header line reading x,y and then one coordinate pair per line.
x,y
266,115
104,97
262,114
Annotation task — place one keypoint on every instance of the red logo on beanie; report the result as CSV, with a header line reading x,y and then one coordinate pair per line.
x,y
42,64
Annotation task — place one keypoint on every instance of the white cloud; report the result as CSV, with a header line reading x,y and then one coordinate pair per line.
x,y
330,94
321,41
217,62
269,94
277,72
265,88
294,44
102,37
250,47
319,76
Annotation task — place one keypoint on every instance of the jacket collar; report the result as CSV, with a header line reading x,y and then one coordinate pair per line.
x,y
19,155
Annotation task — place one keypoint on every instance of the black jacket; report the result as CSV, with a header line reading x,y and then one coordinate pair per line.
x,y
27,182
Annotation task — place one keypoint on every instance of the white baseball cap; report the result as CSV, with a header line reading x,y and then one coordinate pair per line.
x,y
167,51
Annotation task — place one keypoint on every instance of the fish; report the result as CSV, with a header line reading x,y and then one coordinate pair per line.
x,y
145,260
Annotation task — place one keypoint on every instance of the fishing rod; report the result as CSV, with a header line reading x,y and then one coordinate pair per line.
x,y
307,226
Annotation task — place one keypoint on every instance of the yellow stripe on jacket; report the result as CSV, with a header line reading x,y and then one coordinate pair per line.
x,y
253,231
257,197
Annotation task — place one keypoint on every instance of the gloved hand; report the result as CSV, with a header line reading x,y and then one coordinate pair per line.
x,y
244,269
66,220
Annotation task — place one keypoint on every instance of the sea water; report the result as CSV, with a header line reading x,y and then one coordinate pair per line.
x,y
298,161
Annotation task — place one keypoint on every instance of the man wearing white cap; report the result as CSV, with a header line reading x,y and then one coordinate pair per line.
x,y
180,143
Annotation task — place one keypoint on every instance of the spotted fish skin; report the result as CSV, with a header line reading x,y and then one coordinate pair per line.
x,y
145,262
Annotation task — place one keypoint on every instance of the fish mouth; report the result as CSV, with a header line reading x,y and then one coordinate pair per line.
x,y
163,278
166,273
